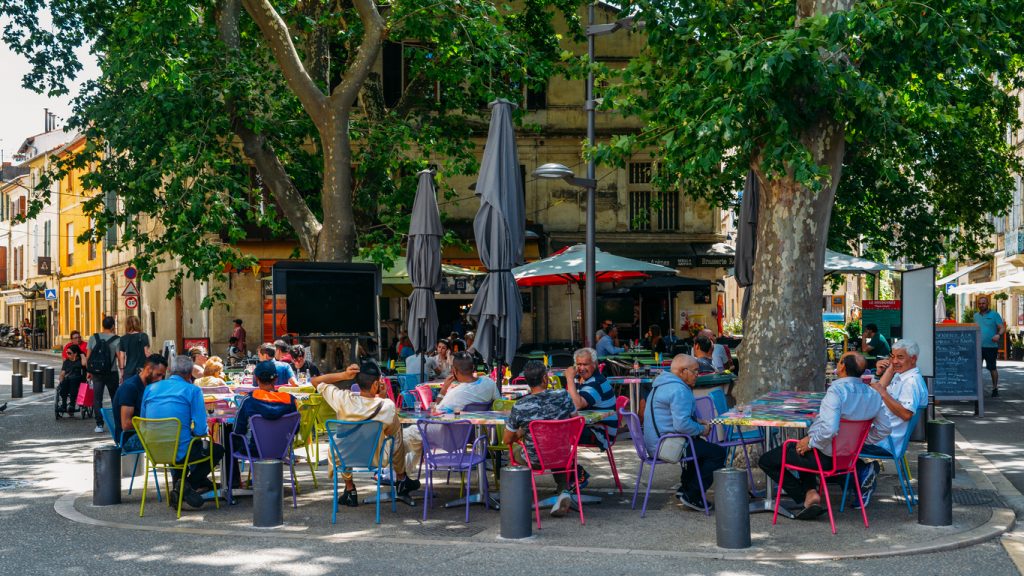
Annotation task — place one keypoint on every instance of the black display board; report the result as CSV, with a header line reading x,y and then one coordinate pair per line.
x,y
958,363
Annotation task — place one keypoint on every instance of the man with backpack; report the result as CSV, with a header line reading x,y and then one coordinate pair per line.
x,y
101,364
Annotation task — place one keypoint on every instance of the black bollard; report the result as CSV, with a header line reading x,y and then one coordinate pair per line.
x,y
37,381
516,503
732,508
16,391
918,434
267,506
942,439
106,475
16,366
48,376
934,489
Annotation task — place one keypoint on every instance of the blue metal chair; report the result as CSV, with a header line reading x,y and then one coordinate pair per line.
x,y
408,382
359,447
899,461
108,421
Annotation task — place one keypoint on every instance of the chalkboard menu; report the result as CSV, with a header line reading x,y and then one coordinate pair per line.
x,y
957,362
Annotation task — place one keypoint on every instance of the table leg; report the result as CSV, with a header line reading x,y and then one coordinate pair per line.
x,y
478,497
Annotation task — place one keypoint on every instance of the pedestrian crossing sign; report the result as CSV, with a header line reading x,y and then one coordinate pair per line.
x,y
50,293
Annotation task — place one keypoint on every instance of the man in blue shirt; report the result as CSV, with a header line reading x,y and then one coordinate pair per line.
x,y
177,397
285,374
992,330
590,390
670,410
848,398
127,401
606,345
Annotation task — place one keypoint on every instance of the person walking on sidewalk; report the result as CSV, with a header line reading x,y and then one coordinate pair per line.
x,y
133,349
101,363
992,330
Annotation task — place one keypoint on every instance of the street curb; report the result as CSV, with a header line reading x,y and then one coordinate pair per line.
x,y
999,522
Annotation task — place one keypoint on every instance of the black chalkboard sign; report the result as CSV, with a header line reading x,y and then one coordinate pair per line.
x,y
957,362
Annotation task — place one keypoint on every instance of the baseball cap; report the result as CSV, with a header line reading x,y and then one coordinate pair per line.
x,y
265,370
370,368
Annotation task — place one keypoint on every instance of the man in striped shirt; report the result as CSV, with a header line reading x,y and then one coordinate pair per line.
x,y
590,390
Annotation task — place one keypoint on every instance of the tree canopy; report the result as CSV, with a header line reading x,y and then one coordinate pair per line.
x,y
218,120
924,92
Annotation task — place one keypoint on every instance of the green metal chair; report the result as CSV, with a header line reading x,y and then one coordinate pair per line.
x,y
159,437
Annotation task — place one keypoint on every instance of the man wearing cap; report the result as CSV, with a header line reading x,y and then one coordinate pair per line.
x,y
370,403
285,373
264,401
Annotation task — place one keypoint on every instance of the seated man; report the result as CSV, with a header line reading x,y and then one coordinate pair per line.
x,y
127,401
177,397
302,364
846,398
463,386
539,404
606,345
702,353
873,344
371,403
670,410
903,392
590,390
264,401
429,363
721,359
285,374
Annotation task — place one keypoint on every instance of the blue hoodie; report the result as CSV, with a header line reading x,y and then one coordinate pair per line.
x,y
671,405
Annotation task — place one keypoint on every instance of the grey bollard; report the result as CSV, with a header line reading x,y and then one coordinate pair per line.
x,y
24,369
16,391
37,381
918,434
732,508
106,475
942,439
16,366
267,490
48,376
32,367
516,503
934,489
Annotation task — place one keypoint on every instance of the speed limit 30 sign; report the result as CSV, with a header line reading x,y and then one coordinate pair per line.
x,y
131,302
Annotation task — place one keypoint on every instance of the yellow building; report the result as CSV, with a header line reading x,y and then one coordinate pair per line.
x,y
80,295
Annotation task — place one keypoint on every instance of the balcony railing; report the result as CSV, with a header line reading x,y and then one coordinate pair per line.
x,y
1013,242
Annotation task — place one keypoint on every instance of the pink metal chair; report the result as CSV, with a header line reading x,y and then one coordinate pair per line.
x,y
846,445
425,395
620,403
556,443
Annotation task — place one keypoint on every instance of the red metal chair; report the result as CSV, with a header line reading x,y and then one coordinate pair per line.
x,y
846,445
556,443
620,403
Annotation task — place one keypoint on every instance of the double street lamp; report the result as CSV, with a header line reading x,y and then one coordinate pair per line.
x,y
558,171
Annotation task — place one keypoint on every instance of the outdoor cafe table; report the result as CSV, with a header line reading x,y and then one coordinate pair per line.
x,y
785,410
491,418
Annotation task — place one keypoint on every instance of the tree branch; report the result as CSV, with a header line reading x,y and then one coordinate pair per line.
x,y
276,33
260,151
344,94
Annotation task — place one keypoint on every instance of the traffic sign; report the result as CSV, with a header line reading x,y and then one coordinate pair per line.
x,y
130,289
131,302
50,293
130,273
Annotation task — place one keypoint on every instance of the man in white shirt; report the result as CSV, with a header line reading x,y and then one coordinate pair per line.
x,y
412,366
904,392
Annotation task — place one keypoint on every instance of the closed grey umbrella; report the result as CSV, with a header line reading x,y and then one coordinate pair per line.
x,y
746,239
423,260
500,231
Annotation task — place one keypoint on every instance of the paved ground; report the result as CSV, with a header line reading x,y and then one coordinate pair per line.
x,y
51,527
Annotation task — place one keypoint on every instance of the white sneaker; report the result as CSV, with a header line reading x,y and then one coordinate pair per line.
x,y
98,430
561,507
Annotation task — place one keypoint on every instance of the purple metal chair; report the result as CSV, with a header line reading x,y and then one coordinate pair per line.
x,y
273,441
706,411
446,448
477,407
636,432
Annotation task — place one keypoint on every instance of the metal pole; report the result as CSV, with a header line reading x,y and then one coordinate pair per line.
x,y
732,514
267,505
16,388
590,320
37,381
516,503
942,439
106,475
16,366
48,378
935,489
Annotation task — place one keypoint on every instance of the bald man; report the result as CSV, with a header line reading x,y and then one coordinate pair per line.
x,y
670,410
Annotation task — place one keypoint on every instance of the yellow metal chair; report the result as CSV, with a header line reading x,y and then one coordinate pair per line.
x,y
499,447
555,382
159,437
305,438
322,412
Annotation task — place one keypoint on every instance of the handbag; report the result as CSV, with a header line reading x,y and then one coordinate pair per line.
x,y
671,449
85,395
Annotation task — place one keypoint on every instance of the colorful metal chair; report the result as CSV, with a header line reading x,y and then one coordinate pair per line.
x,y
636,432
556,443
159,437
447,447
108,421
360,447
272,440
